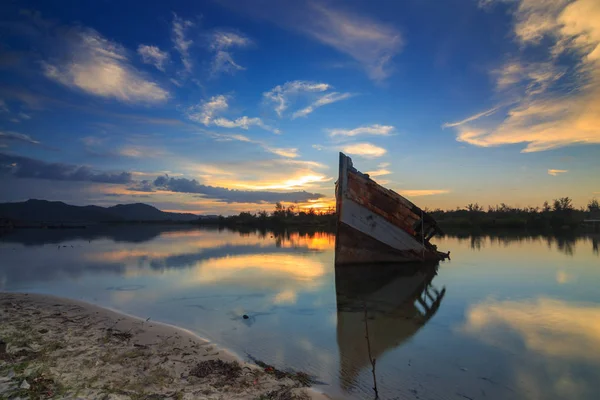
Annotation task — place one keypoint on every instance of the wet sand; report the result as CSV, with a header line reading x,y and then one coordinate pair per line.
x,y
52,347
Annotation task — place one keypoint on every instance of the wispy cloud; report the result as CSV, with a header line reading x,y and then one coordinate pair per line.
x,y
555,172
366,150
289,152
206,113
222,43
100,67
379,172
471,118
282,96
244,123
17,137
557,86
320,102
181,42
153,55
423,192
140,152
372,44
376,129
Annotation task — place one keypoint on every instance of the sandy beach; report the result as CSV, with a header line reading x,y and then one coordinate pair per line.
x,y
58,348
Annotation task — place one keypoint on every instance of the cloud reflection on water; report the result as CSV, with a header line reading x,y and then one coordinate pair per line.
x,y
556,338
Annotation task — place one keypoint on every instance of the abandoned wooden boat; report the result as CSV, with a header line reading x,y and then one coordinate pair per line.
x,y
375,224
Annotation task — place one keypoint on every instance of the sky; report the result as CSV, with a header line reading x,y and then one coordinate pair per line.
x,y
217,107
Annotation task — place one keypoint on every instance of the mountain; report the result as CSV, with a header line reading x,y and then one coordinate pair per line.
x,y
58,212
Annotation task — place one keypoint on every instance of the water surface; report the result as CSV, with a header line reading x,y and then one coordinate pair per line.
x,y
509,317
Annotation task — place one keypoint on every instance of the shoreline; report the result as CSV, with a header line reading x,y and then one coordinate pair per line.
x,y
54,347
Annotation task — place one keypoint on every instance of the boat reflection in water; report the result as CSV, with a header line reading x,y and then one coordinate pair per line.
x,y
398,300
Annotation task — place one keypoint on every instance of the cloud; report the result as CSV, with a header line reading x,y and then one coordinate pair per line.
x,y
423,192
379,172
376,129
24,167
366,150
181,42
283,152
555,172
244,123
288,152
183,185
371,43
17,137
555,79
140,152
221,44
153,55
471,118
100,67
284,95
556,328
206,112
320,102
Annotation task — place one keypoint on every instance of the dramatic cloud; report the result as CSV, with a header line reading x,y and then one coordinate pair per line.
x,y
183,185
423,192
24,167
180,41
100,67
366,150
153,55
380,130
17,137
206,112
555,172
557,92
222,42
320,102
284,95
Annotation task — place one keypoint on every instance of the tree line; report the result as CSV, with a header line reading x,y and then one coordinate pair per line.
x,y
558,214
280,216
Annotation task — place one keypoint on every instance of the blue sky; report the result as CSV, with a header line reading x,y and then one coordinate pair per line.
x,y
223,106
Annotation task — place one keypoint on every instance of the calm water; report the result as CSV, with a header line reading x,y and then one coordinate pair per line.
x,y
507,318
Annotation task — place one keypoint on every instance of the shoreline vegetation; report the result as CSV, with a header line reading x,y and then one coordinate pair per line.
x,y
52,347
558,215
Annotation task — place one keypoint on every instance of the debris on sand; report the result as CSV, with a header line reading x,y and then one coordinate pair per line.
x,y
54,348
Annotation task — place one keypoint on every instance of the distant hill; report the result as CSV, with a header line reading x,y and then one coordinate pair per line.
x,y
59,212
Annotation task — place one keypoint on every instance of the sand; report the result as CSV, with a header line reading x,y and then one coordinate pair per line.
x,y
58,348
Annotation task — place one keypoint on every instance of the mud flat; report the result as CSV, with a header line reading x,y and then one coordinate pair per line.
x,y
58,348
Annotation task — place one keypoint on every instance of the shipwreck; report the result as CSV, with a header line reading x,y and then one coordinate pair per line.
x,y
377,225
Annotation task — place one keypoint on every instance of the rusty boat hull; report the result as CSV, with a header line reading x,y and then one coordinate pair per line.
x,y
377,225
